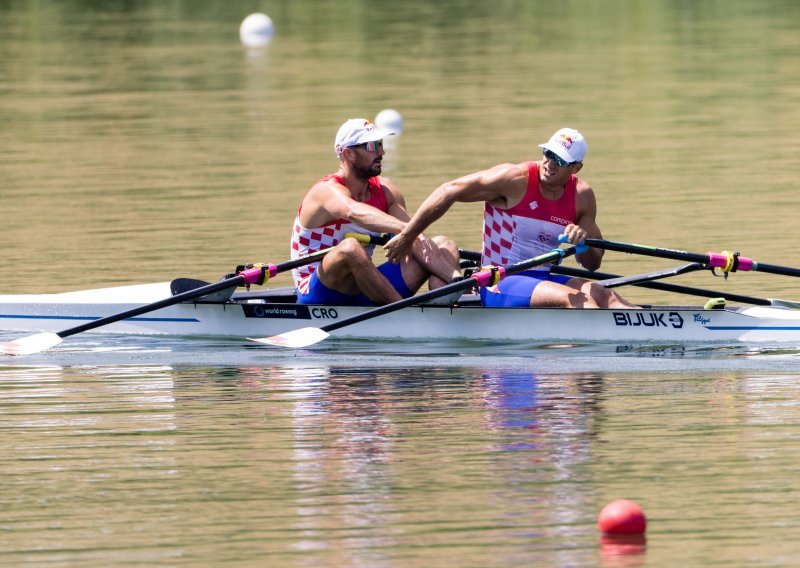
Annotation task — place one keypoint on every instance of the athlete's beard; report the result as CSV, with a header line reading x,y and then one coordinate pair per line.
x,y
373,170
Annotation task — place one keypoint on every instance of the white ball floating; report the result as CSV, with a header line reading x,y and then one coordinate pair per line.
x,y
256,30
390,118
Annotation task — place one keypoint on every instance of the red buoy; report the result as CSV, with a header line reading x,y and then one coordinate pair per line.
x,y
622,517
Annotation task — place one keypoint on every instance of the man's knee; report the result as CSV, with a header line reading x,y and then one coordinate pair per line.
x,y
351,251
603,297
447,246
444,243
343,260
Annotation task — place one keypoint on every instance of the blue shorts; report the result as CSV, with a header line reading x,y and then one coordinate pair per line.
x,y
515,291
318,293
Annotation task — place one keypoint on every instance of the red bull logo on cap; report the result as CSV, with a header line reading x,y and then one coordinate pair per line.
x,y
568,144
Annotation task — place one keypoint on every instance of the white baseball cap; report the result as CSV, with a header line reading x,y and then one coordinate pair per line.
x,y
358,131
568,144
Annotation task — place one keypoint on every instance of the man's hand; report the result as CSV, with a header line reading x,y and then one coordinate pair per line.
x,y
575,234
398,247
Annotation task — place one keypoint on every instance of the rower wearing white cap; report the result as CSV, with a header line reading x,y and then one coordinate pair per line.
x,y
527,206
357,199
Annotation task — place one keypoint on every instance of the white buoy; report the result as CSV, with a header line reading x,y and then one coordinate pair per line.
x,y
390,118
256,30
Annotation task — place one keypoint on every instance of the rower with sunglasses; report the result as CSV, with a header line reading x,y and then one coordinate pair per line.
x,y
527,206
357,199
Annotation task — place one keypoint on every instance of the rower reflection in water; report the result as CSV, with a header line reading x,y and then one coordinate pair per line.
x,y
371,452
546,428
527,206
532,408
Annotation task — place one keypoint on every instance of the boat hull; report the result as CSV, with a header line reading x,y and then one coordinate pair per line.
x,y
258,316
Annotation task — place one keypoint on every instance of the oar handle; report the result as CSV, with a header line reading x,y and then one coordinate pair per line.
x,y
261,273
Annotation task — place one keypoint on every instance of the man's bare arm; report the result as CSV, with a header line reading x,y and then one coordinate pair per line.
x,y
586,226
498,185
328,202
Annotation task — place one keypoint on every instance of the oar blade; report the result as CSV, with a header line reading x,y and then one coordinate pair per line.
x,y
30,344
296,339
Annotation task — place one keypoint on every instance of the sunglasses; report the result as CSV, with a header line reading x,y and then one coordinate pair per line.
x,y
560,162
375,146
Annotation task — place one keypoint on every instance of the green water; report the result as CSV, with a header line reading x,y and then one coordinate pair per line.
x,y
145,136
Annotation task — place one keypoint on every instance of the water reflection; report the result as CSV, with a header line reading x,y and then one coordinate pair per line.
x,y
370,448
345,465
83,450
541,403
342,456
623,551
546,428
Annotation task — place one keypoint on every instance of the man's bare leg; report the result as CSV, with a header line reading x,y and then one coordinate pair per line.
x,y
605,297
577,293
440,262
553,295
349,269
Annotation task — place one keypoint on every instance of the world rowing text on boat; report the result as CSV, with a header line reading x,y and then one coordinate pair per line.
x,y
272,311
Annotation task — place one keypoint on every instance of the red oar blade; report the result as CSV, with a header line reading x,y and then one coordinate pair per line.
x,y
31,344
295,339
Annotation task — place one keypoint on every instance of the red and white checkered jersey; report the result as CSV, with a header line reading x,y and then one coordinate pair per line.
x,y
531,227
306,240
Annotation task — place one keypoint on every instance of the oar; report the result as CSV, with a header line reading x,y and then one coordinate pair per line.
x,y
485,277
471,258
41,341
650,276
254,275
470,255
676,288
646,281
727,261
